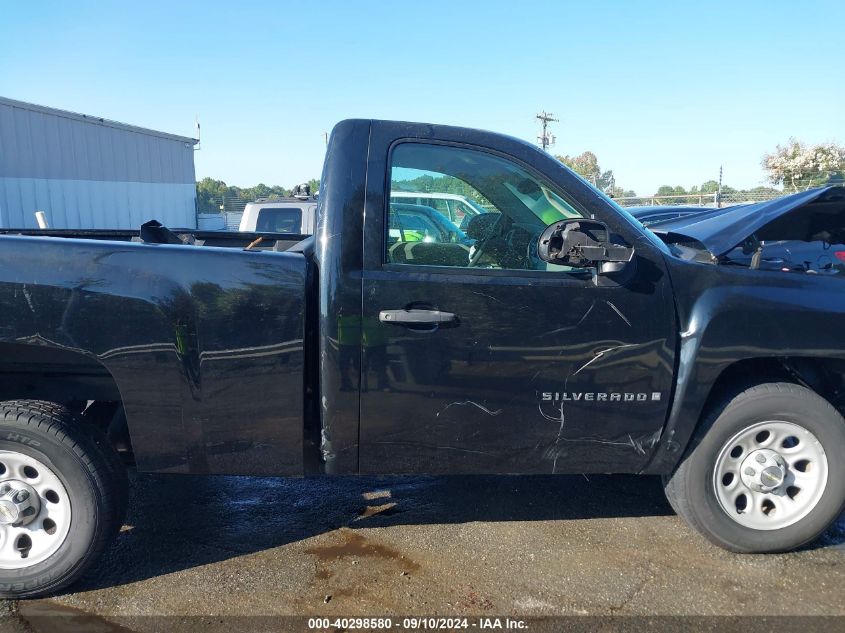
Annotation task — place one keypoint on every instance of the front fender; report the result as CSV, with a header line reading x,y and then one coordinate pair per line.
x,y
731,314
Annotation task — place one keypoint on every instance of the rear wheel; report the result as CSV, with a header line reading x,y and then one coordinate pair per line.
x,y
62,497
766,472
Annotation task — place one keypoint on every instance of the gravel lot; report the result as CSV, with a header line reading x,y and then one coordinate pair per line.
x,y
527,546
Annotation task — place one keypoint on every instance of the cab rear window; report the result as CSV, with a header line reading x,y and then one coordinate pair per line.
x,y
279,220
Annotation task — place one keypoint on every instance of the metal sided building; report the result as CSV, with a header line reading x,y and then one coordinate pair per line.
x,y
87,172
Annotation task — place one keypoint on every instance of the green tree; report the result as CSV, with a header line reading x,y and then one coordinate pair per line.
x,y
587,166
210,194
440,184
669,190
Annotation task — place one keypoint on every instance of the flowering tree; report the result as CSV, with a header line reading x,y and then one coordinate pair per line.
x,y
796,164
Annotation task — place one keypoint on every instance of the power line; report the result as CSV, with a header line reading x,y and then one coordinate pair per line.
x,y
546,138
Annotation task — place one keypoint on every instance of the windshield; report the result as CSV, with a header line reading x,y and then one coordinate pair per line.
x,y
639,227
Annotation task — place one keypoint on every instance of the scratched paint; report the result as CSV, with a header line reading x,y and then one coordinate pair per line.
x,y
468,403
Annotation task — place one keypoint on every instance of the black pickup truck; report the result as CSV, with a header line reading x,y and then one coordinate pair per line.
x,y
558,335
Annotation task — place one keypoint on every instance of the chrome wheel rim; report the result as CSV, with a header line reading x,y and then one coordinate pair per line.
x,y
35,511
770,475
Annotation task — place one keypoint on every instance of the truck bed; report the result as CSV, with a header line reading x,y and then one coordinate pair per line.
x,y
204,345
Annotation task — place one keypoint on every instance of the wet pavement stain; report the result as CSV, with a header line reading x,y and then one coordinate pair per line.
x,y
356,568
43,615
357,546
323,573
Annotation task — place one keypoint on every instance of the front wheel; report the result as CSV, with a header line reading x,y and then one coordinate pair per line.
x,y
62,493
766,472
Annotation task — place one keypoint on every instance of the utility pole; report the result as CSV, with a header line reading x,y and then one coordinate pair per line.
x,y
546,138
719,190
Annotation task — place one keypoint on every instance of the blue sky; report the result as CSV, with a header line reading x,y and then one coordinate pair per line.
x,y
662,92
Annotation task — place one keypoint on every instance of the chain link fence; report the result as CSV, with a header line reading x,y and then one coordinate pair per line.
x,y
729,196
230,209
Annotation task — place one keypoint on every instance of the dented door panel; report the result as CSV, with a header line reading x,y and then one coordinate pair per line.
x,y
540,372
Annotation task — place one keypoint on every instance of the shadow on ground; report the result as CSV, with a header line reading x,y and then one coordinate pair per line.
x,y
179,522
182,521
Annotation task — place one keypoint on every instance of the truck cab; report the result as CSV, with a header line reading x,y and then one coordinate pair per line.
x,y
538,367
294,215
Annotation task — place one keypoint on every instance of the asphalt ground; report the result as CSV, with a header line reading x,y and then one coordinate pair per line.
x,y
476,546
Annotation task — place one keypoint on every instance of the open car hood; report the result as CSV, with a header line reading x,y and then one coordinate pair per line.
x,y
817,213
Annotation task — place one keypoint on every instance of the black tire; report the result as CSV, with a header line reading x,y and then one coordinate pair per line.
x,y
691,490
93,476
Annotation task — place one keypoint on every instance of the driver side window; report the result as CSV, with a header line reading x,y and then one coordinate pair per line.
x,y
505,208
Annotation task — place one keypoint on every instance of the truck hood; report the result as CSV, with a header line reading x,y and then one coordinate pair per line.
x,y
721,230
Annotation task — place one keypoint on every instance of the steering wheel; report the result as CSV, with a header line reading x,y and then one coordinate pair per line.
x,y
482,244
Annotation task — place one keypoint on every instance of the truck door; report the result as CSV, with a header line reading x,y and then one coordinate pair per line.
x,y
479,357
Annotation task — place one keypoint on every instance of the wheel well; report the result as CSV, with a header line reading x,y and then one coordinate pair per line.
x,y
70,378
825,376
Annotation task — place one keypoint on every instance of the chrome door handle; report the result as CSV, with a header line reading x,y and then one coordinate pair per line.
x,y
415,316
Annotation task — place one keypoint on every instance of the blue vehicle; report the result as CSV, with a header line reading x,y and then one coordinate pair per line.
x,y
660,213
417,222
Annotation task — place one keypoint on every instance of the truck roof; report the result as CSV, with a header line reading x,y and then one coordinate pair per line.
x,y
286,200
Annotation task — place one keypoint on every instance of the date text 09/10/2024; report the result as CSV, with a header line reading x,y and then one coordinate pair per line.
x,y
417,623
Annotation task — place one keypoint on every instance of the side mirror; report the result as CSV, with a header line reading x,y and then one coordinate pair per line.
x,y
582,243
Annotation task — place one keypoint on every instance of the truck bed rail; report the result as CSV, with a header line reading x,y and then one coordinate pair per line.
x,y
224,239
